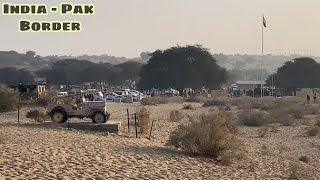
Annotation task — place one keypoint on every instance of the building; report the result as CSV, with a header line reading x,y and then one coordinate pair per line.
x,y
250,85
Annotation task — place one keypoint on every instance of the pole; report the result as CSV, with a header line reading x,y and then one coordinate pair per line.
x,y
151,130
19,110
272,84
128,120
135,124
261,59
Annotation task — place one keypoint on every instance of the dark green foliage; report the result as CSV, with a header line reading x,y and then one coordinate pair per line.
x,y
73,71
8,99
13,75
298,73
182,67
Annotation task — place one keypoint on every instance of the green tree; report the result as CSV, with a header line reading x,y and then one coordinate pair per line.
x,y
182,67
298,73
12,75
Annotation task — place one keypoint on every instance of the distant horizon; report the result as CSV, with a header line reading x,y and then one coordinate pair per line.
x,y
73,55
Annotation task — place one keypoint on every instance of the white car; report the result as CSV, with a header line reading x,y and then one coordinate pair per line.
x,y
135,92
110,96
62,94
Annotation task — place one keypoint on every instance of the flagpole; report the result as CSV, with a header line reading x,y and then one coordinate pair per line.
x,y
262,25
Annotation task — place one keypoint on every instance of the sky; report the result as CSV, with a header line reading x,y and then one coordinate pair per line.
x,y
128,27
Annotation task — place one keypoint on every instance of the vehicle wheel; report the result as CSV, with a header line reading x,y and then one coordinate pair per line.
x,y
99,117
59,116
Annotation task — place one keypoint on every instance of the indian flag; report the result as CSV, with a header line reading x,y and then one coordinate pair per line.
x,y
264,22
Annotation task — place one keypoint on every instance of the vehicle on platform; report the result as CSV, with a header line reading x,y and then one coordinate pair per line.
x,y
96,110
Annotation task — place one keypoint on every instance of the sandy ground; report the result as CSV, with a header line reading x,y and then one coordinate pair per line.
x,y
30,152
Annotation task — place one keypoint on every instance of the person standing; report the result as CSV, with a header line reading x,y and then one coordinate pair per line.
x,y
308,98
314,97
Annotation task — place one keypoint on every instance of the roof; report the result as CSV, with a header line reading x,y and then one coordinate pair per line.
x,y
250,82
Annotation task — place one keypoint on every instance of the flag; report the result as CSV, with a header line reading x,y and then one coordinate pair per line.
x,y
264,22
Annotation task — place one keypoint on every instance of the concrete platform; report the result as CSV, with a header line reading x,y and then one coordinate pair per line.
x,y
110,126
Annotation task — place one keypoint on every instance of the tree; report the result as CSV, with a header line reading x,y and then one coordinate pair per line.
x,y
30,54
145,56
13,75
128,73
69,71
182,67
298,73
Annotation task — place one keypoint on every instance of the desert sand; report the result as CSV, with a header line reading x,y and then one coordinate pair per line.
x,y
35,152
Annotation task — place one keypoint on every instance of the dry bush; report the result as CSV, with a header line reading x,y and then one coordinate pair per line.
x,y
37,115
311,109
297,112
254,118
304,159
212,135
8,99
281,116
227,108
176,116
313,131
176,99
262,131
317,123
144,120
215,102
153,101
295,171
44,100
198,99
265,150
2,138
274,127
187,106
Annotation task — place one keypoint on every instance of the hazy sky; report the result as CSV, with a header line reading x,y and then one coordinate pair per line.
x,y
128,27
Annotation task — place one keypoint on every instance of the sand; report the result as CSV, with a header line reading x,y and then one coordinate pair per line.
x,y
32,152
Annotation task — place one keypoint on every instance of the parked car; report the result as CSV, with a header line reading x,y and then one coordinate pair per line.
x,y
110,96
62,94
136,92
171,92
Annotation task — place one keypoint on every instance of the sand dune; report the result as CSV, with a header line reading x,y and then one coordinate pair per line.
x,y
31,152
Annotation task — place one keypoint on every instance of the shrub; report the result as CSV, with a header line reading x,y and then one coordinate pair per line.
x,y
294,171
296,112
153,101
44,100
318,123
2,138
313,131
175,99
262,131
187,106
254,118
227,108
281,116
144,119
8,99
274,127
211,135
265,150
311,109
176,116
37,115
304,159
198,99
214,102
